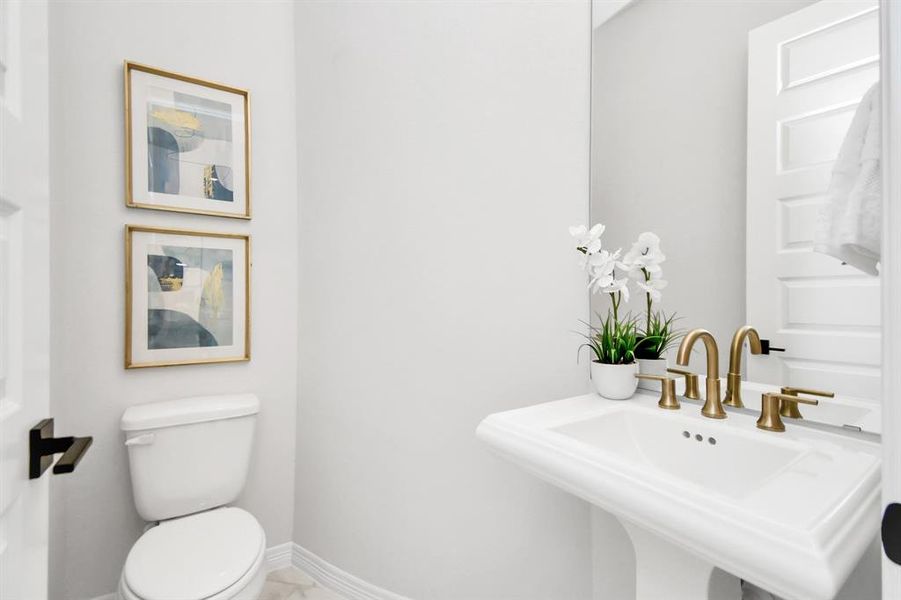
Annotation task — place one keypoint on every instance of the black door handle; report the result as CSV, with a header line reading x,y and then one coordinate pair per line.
x,y
765,347
42,447
891,532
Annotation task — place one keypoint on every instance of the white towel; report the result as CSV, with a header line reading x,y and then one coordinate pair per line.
x,y
849,225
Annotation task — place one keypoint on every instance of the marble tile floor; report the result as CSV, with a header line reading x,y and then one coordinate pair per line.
x,y
293,584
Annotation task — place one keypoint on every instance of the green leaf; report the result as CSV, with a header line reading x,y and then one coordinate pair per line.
x,y
660,336
613,341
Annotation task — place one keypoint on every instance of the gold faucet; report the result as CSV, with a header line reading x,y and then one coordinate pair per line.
x,y
713,406
668,398
691,383
733,379
770,407
790,407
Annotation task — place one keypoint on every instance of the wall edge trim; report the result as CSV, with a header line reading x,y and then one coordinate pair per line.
x,y
338,580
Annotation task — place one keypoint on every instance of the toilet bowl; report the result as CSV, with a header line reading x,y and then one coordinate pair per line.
x,y
188,460
214,555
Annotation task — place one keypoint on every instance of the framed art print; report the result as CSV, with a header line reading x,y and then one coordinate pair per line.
x,y
187,144
187,297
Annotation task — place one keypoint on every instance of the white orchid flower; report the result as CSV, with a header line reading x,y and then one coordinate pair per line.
x,y
598,284
589,239
601,265
653,287
602,269
645,253
592,261
617,286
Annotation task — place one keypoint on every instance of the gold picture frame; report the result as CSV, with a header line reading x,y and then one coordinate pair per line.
x,y
187,327
215,198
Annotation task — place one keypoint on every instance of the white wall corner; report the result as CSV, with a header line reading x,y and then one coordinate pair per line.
x,y
337,580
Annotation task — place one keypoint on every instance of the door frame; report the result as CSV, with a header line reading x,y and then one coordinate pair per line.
x,y
890,26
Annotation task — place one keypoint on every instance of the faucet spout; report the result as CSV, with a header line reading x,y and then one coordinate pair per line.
x,y
733,378
713,406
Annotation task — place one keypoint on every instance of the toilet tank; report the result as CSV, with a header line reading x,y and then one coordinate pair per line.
x,y
189,455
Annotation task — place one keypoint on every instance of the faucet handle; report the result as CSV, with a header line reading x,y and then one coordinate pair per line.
x,y
692,389
771,409
668,398
791,398
792,391
790,406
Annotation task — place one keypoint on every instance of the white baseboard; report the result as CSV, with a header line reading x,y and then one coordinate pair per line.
x,y
337,580
278,557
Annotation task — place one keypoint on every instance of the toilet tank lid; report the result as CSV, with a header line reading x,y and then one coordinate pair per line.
x,y
189,410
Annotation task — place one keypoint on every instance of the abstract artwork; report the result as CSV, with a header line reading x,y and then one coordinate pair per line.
x,y
187,297
187,142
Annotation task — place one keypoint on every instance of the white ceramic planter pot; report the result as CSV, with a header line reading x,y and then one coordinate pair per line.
x,y
651,366
614,382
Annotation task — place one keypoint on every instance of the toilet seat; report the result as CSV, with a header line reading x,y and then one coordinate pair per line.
x,y
206,556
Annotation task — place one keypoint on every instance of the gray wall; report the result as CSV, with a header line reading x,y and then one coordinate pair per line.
x,y
245,44
443,154
669,106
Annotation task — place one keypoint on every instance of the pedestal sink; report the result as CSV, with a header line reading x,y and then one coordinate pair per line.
x,y
790,512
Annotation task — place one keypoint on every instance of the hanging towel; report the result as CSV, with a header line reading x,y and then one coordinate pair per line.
x,y
849,224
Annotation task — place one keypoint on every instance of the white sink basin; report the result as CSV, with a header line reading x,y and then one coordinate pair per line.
x,y
725,461
791,512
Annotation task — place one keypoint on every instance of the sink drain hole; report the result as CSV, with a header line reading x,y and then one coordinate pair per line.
x,y
712,441
699,437
686,434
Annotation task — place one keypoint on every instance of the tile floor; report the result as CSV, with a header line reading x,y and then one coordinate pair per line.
x,y
293,584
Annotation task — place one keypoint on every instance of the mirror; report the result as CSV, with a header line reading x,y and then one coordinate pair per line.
x,y
745,135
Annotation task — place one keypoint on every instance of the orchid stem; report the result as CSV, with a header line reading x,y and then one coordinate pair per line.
x,y
647,279
615,300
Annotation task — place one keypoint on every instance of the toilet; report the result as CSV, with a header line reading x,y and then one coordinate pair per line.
x,y
188,461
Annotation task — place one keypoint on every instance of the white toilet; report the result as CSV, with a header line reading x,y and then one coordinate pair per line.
x,y
188,460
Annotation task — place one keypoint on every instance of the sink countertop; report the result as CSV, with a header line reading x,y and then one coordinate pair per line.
x,y
792,512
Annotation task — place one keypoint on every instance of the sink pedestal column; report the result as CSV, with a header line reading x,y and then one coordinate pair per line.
x,y
663,570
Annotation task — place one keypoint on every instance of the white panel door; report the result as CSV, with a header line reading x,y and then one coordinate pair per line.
x,y
24,294
807,73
